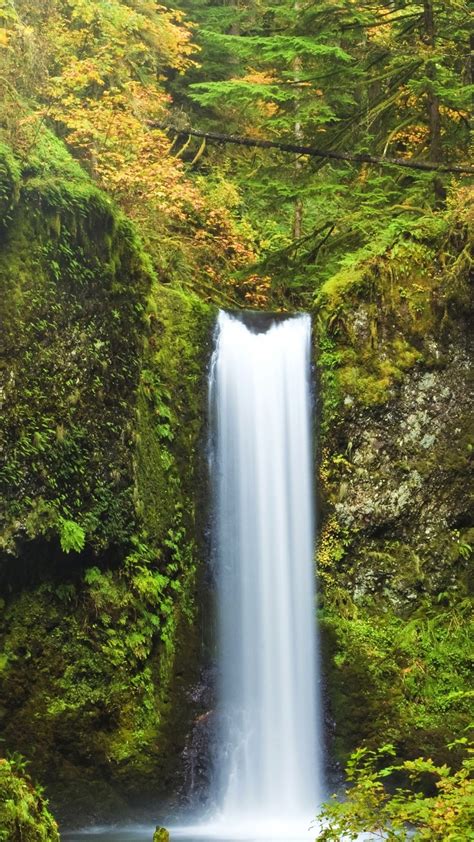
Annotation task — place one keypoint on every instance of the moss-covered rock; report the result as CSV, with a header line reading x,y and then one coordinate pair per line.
x,y
395,360
104,398
74,290
24,814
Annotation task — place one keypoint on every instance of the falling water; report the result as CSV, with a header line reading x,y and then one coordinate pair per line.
x,y
269,779
269,766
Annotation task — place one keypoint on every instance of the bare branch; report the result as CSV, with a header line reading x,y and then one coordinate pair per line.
x,y
295,148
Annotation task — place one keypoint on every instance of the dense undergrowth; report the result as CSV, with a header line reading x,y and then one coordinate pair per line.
x,y
24,814
434,803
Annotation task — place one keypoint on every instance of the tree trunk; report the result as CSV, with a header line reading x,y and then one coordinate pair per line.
x,y
434,116
298,213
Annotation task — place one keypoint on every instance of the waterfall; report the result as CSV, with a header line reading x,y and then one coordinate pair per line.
x,y
269,760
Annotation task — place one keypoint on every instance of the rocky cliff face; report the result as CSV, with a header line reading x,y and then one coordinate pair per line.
x,y
395,357
404,490
104,412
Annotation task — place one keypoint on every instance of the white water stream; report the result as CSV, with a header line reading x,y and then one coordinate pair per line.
x,y
269,768
268,778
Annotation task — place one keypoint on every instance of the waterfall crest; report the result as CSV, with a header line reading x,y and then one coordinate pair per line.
x,y
269,764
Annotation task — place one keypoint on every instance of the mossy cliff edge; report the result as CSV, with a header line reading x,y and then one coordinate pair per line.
x,y
395,353
103,413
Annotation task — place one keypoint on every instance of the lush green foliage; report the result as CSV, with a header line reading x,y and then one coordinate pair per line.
x,y
65,242
405,679
24,814
417,278
101,469
389,78
96,73
434,804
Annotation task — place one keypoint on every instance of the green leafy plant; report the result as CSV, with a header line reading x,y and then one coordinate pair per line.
x,y
435,804
72,536
24,814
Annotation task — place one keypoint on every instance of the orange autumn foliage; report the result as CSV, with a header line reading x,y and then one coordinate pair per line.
x,y
99,82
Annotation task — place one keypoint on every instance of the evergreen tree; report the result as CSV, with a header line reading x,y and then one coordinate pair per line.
x,y
389,79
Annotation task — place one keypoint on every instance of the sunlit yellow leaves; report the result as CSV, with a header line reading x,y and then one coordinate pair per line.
x,y
406,141
259,77
455,116
94,70
256,290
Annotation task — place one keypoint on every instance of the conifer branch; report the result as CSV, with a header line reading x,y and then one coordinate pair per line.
x,y
298,149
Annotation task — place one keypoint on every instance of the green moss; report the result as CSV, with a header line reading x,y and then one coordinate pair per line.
x,y
370,378
9,184
24,814
49,158
75,284
345,282
370,389
400,680
171,486
105,404
172,408
396,447
383,312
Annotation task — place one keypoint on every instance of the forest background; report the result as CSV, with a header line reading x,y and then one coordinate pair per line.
x,y
391,80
